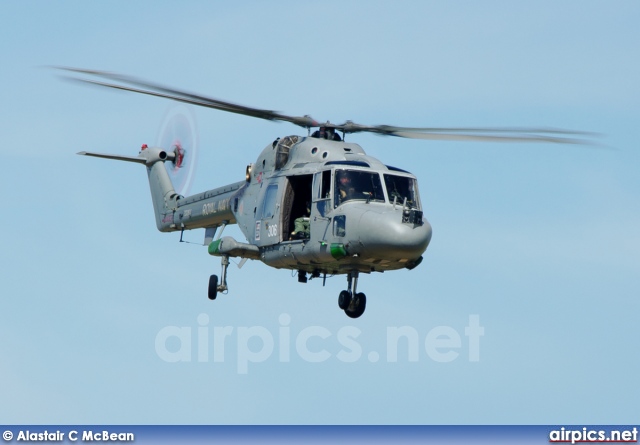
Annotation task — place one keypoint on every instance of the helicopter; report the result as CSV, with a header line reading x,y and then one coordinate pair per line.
x,y
316,204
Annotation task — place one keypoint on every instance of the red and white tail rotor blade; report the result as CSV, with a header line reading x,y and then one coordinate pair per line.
x,y
178,134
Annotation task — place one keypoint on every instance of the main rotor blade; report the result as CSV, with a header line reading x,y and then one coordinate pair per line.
x,y
489,138
522,134
153,89
544,135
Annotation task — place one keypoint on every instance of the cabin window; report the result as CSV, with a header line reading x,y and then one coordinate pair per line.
x,y
269,204
322,185
322,192
325,192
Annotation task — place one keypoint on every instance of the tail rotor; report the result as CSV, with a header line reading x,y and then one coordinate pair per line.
x,y
178,135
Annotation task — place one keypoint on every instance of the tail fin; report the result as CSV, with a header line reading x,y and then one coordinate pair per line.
x,y
164,197
163,194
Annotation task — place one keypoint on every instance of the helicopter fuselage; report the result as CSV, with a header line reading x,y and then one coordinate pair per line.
x,y
355,213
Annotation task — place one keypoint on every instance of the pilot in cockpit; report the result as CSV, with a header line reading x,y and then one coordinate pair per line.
x,y
346,190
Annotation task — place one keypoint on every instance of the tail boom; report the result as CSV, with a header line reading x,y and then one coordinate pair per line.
x,y
172,211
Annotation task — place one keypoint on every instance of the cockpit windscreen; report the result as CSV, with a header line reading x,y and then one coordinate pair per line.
x,y
401,187
358,185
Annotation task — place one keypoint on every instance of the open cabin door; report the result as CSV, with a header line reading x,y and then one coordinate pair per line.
x,y
296,203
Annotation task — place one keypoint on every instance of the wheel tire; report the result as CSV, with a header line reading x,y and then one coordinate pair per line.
x,y
213,287
361,299
344,299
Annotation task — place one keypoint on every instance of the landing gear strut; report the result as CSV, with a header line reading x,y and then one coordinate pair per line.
x,y
214,287
351,302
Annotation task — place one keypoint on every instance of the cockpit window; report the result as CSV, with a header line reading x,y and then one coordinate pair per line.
x,y
401,187
357,185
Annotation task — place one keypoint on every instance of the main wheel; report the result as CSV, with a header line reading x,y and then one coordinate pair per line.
x,y
344,299
213,287
361,304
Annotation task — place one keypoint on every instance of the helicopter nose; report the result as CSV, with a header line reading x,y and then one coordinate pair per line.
x,y
384,235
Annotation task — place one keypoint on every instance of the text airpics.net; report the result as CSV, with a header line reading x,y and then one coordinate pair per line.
x,y
314,344
591,435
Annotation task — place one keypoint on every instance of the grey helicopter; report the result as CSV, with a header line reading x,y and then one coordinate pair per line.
x,y
317,204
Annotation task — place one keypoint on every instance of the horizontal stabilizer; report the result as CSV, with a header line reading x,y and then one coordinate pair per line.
x,y
116,157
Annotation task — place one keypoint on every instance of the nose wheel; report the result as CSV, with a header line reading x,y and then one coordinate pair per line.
x,y
351,302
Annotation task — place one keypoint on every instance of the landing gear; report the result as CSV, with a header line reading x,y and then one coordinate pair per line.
x,y
351,302
344,299
359,303
214,287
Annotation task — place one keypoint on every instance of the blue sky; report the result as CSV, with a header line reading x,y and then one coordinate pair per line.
x,y
539,241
